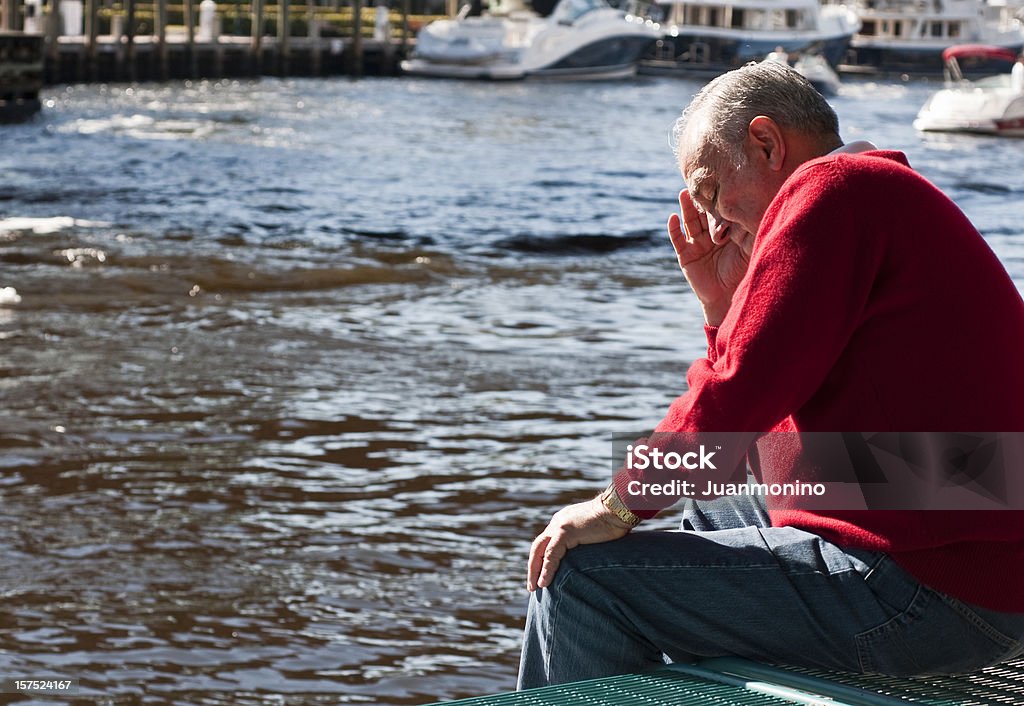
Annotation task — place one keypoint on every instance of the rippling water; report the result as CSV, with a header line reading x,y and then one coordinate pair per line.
x,y
299,368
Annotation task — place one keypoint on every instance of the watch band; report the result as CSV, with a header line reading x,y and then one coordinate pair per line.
x,y
611,500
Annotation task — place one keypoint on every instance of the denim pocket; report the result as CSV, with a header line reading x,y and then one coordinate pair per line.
x,y
934,634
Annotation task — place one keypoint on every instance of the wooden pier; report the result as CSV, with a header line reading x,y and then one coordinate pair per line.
x,y
131,40
228,57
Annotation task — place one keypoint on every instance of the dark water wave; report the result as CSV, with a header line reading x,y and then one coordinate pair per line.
x,y
577,244
379,234
985,187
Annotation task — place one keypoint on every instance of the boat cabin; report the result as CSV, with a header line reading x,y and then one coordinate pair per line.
x,y
752,15
938,21
910,28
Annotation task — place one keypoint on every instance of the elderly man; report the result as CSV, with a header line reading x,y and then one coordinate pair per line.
x,y
842,292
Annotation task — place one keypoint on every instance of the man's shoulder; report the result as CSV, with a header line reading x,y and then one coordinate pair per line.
x,y
867,162
839,185
870,170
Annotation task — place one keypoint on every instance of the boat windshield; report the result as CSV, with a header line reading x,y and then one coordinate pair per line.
x,y
998,81
568,11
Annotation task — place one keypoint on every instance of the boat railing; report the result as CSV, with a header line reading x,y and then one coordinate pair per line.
x,y
647,9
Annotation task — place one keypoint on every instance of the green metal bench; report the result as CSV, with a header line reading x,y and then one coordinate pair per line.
x,y
730,681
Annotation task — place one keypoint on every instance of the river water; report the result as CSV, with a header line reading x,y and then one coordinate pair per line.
x,y
299,368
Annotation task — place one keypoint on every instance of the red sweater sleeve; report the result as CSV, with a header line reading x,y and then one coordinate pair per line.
x,y
711,332
804,294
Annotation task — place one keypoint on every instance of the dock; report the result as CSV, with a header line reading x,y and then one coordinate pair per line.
x,y
93,41
227,57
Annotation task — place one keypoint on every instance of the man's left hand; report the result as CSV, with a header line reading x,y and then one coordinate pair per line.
x,y
713,269
583,523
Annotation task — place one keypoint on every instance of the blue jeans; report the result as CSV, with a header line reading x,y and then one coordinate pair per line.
x,y
728,583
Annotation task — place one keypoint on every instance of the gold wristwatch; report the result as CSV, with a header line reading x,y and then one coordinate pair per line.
x,y
611,500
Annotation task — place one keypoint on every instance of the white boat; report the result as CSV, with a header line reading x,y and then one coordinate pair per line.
x,y
714,36
910,35
816,70
812,67
580,39
992,105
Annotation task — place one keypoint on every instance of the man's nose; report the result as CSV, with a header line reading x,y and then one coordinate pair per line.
x,y
717,225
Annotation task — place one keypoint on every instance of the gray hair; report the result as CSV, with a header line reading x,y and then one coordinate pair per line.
x,y
720,113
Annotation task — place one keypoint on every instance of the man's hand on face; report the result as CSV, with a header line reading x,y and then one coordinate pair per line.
x,y
714,270
583,523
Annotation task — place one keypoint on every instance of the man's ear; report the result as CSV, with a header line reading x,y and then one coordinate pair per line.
x,y
767,139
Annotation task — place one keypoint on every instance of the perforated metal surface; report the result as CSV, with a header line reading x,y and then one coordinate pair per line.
x,y
663,688
1002,685
737,682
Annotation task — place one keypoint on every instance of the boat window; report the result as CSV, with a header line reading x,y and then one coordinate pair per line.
x,y
868,28
936,29
695,14
568,11
737,17
897,28
954,29
792,18
713,17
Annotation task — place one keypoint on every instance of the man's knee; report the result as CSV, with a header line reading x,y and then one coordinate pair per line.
x,y
583,557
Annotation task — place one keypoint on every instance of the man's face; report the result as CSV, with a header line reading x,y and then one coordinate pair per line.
x,y
734,196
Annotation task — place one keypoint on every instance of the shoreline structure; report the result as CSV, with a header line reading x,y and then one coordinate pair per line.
x,y
155,41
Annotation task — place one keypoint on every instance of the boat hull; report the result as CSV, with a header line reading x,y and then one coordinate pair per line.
x,y
1000,128
926,60
974,108
607,58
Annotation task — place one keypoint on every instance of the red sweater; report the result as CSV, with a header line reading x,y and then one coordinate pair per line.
x,y
872,304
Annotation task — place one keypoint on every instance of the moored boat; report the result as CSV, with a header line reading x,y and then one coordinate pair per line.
x,y
714,36
817,71
992,105
812,67
909,36
581,39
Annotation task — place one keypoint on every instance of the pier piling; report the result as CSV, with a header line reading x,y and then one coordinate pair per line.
x,y
131,72
356,57
256,55
191,57
54,28
7,17
91,33
406,11
283,32
313,37
161,38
